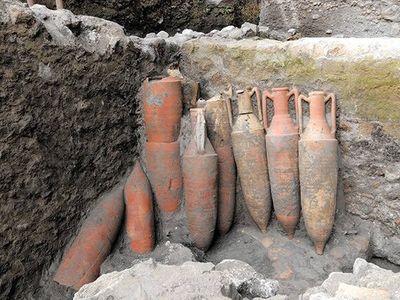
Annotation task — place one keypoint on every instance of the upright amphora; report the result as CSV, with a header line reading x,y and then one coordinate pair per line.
x,y
318,166
217,112
162,109
200,171
248,141
282,140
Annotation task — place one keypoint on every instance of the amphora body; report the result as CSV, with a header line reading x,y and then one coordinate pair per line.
x,y
217,113
200,171
248,141
318,165
139,215
282,140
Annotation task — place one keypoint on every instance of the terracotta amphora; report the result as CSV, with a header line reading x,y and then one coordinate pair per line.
x,y
165,175
82,260
139,215
162,109
248,141
217,111
282,140
200,175
318,166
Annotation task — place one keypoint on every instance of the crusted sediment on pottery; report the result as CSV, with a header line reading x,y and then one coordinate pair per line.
x,y
200,178
219,132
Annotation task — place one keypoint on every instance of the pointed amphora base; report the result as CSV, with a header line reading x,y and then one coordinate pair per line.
x,y
319,247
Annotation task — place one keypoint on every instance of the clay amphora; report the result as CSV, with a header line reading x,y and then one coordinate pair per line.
x,y
282,140
81,262
165,175
218,120
162,109
139,215
318,166
200,171
248,141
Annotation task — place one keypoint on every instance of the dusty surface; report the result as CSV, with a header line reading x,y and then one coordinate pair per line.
x,y
141,16
294,263
69,131
360,18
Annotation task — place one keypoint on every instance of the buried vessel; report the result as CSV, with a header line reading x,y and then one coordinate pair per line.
x,y
200,170
82,261
162,119
217,112
162,109
282,139
139,215
318,166
248,140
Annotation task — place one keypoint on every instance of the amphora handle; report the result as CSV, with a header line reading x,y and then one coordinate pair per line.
x,y
228,103
256,91
295,92
267,95
300,110
332,97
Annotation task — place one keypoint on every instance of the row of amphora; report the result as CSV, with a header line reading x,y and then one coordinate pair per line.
x,y
251,147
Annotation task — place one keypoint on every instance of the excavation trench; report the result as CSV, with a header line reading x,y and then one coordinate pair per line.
x,y
72,128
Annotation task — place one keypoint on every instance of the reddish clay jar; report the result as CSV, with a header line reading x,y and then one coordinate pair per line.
x,y
217,111
248,140
318,165
282,140
165,175
81,262
162,109
139,215
200,171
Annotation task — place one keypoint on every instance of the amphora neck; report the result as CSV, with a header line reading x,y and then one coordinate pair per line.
x,y
317,106
244,102
281,101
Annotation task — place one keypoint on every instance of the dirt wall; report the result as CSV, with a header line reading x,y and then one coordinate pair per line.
x,y
68,129
143,16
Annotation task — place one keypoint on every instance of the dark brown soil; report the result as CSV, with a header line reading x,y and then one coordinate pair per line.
x,y
69,126
143,16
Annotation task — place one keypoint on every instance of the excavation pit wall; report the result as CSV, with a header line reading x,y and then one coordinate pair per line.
x,y
73,125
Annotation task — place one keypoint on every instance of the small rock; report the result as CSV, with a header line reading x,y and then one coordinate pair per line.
x,y
361,293
263,31
292,31
163,34
212,32
228,28
329,31
332,283
249,29
236,34
151,35
258,287
188,32
392,172
237,271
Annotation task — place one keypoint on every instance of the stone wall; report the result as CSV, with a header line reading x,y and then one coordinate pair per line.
x,y
365,76
69,124
360,18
